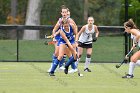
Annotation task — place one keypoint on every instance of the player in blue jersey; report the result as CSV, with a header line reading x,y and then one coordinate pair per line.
x,y
65,15
66,41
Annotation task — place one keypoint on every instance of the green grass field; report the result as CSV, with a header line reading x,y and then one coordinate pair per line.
x,y
108,49
26,77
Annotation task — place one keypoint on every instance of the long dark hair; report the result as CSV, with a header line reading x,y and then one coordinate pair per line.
x,y
130,23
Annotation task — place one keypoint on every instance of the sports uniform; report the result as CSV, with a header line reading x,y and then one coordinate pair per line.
x,y
134,39
70,37
85,39
131,28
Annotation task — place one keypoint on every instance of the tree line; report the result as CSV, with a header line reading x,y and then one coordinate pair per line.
x,y
105,12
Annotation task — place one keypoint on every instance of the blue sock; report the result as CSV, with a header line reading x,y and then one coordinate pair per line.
x,y
54,66
53,58
73,66
62,61
69,62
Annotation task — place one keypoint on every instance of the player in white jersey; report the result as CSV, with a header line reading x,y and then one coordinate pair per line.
x,y
131,28
85,41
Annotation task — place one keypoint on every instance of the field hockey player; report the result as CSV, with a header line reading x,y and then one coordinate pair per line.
x,y
131,28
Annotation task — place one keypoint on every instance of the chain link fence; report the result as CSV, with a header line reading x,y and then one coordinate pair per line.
x,y
108,48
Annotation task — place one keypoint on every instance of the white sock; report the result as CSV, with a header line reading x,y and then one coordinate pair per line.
x,y
87,62
77,62
50,67
131,67
138,63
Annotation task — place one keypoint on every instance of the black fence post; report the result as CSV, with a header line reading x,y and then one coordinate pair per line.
x,y
19,28
126,35
17,43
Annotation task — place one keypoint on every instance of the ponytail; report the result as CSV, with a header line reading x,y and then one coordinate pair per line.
x,y
130,23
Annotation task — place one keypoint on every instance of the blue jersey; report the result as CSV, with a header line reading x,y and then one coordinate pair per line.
x,y
69,35
57,37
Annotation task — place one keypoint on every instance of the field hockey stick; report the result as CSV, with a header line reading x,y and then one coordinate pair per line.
x,y
79,73
126,58
48,37
49,40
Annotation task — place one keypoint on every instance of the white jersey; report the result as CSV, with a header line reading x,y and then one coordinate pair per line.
x,y
134,39
87,35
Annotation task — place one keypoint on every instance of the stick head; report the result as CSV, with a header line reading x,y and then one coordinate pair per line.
x,y
80,75
117,66
49,37
46,43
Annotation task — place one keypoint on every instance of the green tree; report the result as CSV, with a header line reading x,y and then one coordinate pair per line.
x,y
4,10
105,12
133,11
52,8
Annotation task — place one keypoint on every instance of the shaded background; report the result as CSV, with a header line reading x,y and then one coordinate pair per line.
x,y
110,45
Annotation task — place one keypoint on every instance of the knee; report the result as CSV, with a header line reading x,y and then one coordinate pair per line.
x,y
79,56
56,53
133,59
59,57
88,55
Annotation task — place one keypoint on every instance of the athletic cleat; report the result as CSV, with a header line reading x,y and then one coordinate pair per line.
x,y
51,74
73,71
128,76
87,70
49,70
66,70
61,68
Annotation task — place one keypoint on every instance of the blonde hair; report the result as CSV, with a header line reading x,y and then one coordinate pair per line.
x,y
91,17
64,21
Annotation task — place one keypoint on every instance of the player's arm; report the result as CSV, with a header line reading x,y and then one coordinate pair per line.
x,y
96,31
81,31
137,38
96,34
72,21
56,27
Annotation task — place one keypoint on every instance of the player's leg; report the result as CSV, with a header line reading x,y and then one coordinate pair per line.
x,y
71,59
61,63
88,59
54,56
68,53
73,65
132,65
138,63
59,58
68,63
